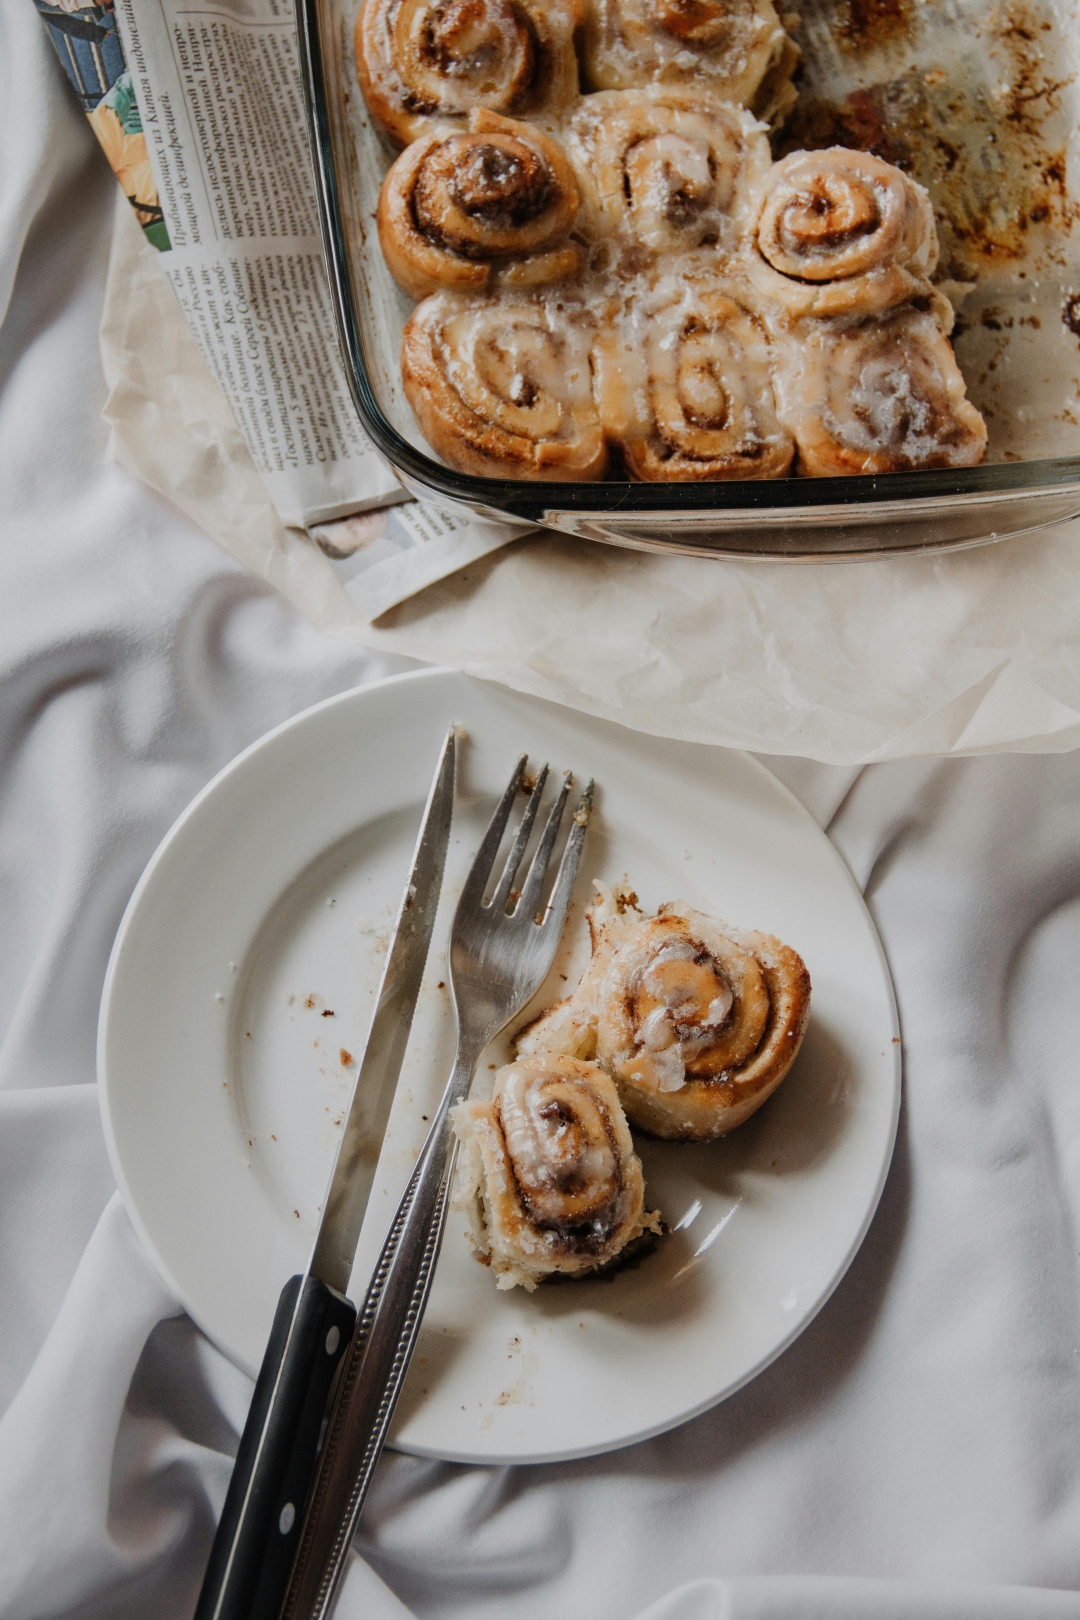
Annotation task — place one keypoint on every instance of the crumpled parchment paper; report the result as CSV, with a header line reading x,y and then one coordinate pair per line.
x,y
970,653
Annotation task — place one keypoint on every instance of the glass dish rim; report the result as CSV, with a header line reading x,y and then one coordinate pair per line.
x,y
535,499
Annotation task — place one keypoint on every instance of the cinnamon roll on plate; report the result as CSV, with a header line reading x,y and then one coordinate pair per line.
x,y
502,387
696,1022
549,1176
685,386
499,197
735,48
877,395
665,169
840,232
423,64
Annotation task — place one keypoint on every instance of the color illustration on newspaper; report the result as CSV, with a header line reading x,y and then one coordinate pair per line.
x,y
88,45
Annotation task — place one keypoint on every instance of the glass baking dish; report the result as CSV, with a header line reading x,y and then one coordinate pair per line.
x,y
795,519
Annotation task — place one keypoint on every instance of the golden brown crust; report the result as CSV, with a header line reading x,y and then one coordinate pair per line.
x,y
427,64
705,1109
454,208
685,386
665,168
551,1180
503,387
696,1022
839,232
877,396
735,48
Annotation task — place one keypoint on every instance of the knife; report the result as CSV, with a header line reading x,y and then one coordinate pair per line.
x,y
248,1570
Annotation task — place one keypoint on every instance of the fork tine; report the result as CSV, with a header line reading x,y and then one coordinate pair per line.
x,y
555,915
472,892
513,860
529,903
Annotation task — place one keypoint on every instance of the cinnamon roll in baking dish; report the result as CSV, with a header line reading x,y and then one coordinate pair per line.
x,y
497,197
502,387
840,232
665,169
735,48
426,63
685,387
876,395
696,1022
549,1175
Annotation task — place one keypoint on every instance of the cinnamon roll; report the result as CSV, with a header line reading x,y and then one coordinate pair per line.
x,y
840,232
423,64
502,387
685,387
876,395
665,169
549,1176
736,48
696,1022
456,207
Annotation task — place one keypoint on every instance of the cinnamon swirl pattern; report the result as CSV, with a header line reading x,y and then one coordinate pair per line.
x,y
502,387
498,199
840,232
624,279
423,64
877,396
665,169
549,1176
685,386
696,1022
735,48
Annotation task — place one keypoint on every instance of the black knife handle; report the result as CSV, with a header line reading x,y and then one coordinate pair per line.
x,y
256,1538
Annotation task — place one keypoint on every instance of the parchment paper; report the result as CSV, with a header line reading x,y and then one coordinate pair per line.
x,y
976,652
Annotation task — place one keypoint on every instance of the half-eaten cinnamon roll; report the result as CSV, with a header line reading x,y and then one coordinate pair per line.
x,y
549,1176
696,1022
424,64
840,232
876,395
735,48
685,385
502,386
498,198
665,169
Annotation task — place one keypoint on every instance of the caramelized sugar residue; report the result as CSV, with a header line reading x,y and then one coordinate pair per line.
x,y
978,146
863,24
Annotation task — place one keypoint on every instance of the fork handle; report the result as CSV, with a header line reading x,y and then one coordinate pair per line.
x,y
375,1366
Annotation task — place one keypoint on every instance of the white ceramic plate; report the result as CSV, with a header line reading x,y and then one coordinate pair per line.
x,y
237,1001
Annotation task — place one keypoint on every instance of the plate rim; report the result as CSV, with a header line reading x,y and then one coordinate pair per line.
x,y
442,1454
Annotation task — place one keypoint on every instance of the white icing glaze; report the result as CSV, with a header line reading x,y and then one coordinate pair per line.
x,y
674,1030
669,1068
557,1143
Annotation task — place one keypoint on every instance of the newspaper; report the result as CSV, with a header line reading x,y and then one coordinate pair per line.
x,y
382,558
88,48
220,104
170,425
199,110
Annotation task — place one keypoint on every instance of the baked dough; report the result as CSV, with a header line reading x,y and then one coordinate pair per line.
x,y
696,1022
685,385
876,395
424,65
502,387
839,232
549,1176
493,202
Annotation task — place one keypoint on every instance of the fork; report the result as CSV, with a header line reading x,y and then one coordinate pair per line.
x,y
500,954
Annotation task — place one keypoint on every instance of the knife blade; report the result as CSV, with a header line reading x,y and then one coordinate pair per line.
x,y
253,1549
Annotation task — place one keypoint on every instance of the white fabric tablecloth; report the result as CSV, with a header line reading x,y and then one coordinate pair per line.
x,y
915,1454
